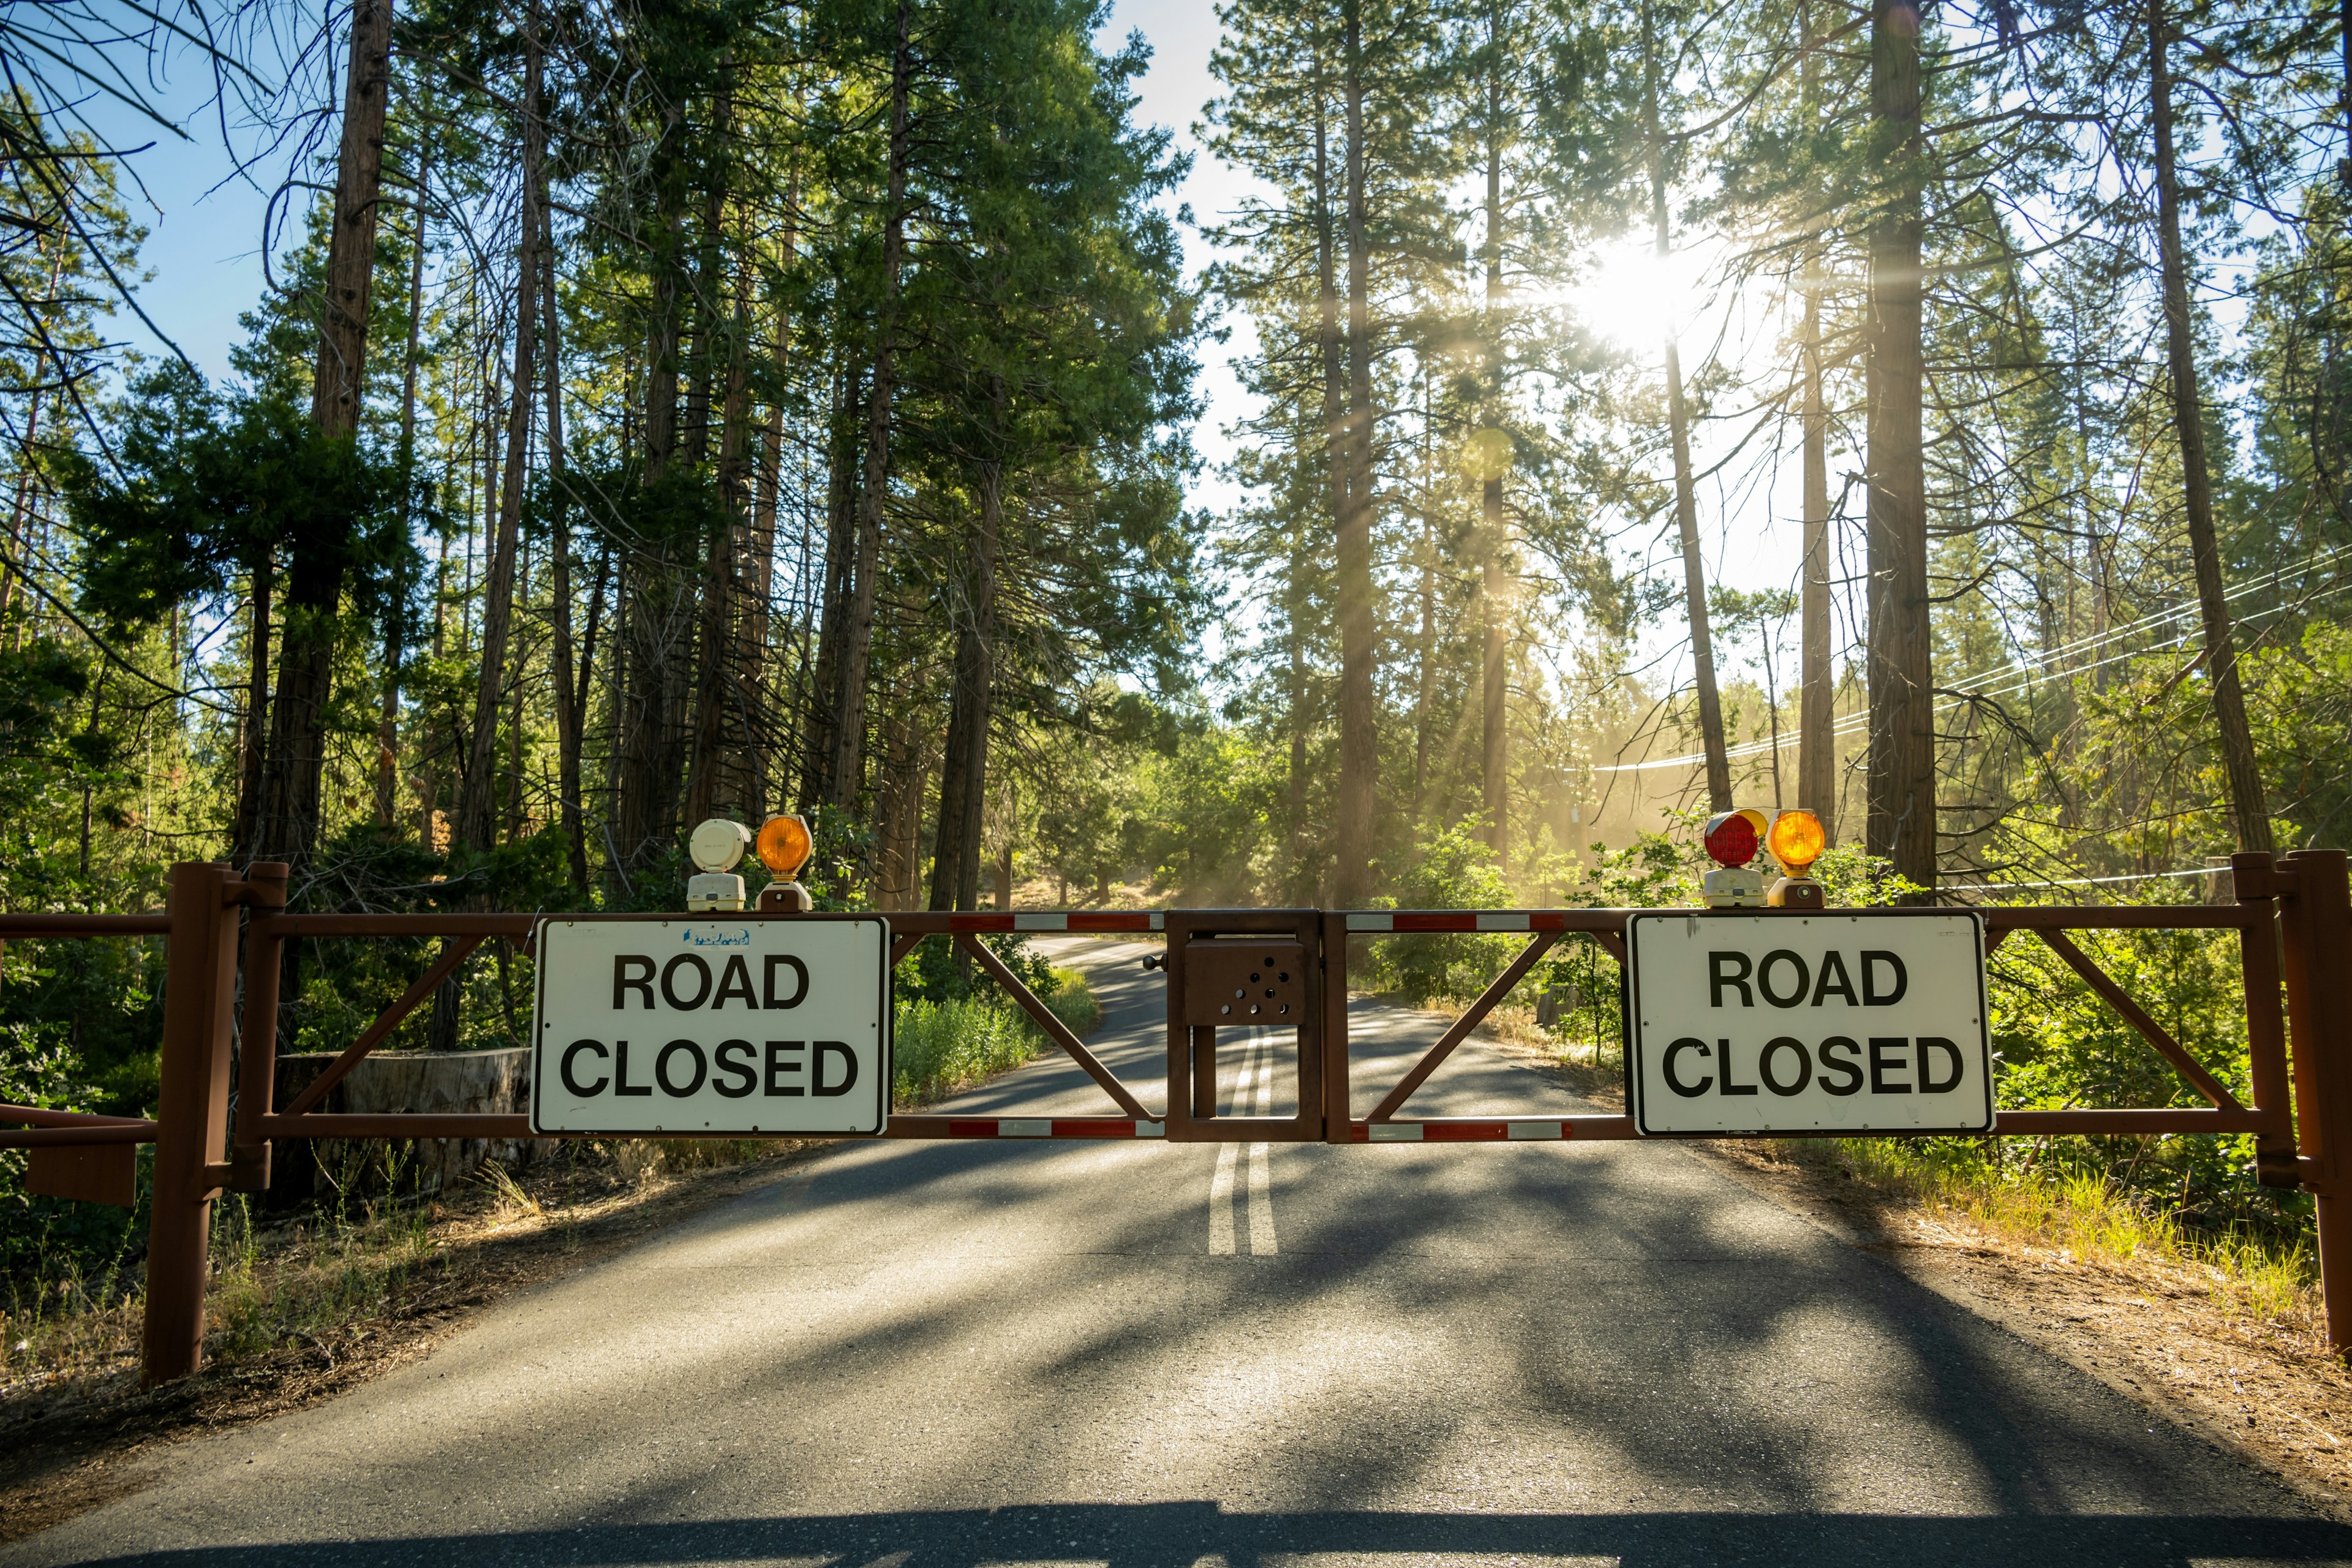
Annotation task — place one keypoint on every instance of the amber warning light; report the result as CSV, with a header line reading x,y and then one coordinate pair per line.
x,y
1796,839
783,845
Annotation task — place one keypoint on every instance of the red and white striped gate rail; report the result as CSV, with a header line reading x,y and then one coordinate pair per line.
x,y
2293,918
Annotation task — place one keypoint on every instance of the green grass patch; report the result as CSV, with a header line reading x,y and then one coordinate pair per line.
x,y
949,1045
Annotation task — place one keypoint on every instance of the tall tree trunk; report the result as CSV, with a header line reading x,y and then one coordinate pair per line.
x,y
1359,754
1817,715
570,694
833,610
849,735
253,727
477,812
387,733
963,771
645,802
1902,780
1710,700
1005,850
1494,681
314,581
1332,351
723,742
760,554
2249,803
1817,679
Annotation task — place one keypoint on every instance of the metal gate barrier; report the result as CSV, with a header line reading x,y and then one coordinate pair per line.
x,y
1290,969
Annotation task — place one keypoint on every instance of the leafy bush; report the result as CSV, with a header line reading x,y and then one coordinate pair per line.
x,y
944,1044
1454,869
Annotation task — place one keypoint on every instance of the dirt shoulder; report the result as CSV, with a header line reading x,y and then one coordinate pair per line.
x,y
70,1443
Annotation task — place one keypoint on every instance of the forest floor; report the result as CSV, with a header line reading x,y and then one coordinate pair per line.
x,y
2247,1368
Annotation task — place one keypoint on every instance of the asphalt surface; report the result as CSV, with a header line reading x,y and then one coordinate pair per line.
x,y
939,1354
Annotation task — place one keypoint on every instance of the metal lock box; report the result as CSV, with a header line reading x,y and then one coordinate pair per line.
x,y
1232,981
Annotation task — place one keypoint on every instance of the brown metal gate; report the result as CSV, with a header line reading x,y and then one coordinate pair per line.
x,y
1226,968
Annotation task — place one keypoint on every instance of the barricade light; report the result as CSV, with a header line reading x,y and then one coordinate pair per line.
x,y
1795,840
784,848
1732,837
783,845
716,845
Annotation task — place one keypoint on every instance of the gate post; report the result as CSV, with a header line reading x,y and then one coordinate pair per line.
x,y
191,1113
2318,930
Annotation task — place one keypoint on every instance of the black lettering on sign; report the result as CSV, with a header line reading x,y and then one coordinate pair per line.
x,y
1773,1051
735,981
1870,959
823,1049
1729,1087
1849,1072
1674,1079
741,1079
661,1068
1928,1082
1783,956
621,1084
1833,980
629,976
800,978
1886,1058
669,981
572,1053
1720,974
779,1068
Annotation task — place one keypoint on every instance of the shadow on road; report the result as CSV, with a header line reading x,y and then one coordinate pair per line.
x,y
1180,1534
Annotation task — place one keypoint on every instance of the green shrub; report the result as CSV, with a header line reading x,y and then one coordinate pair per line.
x,y
948,1043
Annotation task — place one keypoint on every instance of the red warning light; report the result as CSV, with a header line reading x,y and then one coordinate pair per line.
x,y
1731,838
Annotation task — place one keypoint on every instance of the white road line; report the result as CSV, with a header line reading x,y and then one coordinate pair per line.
x,y
1261,1190
1220,1203
1252,1096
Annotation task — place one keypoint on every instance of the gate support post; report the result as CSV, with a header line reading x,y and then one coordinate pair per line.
x,y
192,1115
2318,921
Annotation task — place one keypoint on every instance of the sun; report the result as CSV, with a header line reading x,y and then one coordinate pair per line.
x,y
1631,297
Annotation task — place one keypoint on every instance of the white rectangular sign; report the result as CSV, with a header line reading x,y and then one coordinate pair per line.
x,y
1872,1021
666,1025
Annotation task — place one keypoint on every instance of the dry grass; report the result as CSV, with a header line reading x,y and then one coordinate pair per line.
x,y
2087,1218
302,1309
308,1279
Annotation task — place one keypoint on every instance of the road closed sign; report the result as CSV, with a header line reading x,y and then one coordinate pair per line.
x,y
672,1024
1868,1022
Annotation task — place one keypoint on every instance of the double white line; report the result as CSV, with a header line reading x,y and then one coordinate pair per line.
x,y
1252,1096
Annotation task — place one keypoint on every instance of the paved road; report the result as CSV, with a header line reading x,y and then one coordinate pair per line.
x,y
933,1355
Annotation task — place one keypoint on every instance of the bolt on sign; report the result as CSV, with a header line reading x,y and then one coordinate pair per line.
x,y
1849,1022
673,1025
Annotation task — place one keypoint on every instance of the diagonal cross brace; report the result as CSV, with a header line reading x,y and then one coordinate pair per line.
x,y
1470,1019
1055,1030
453,954
2134,1013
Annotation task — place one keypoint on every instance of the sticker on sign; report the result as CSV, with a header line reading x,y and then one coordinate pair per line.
x,y
1866,1022
668,1025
